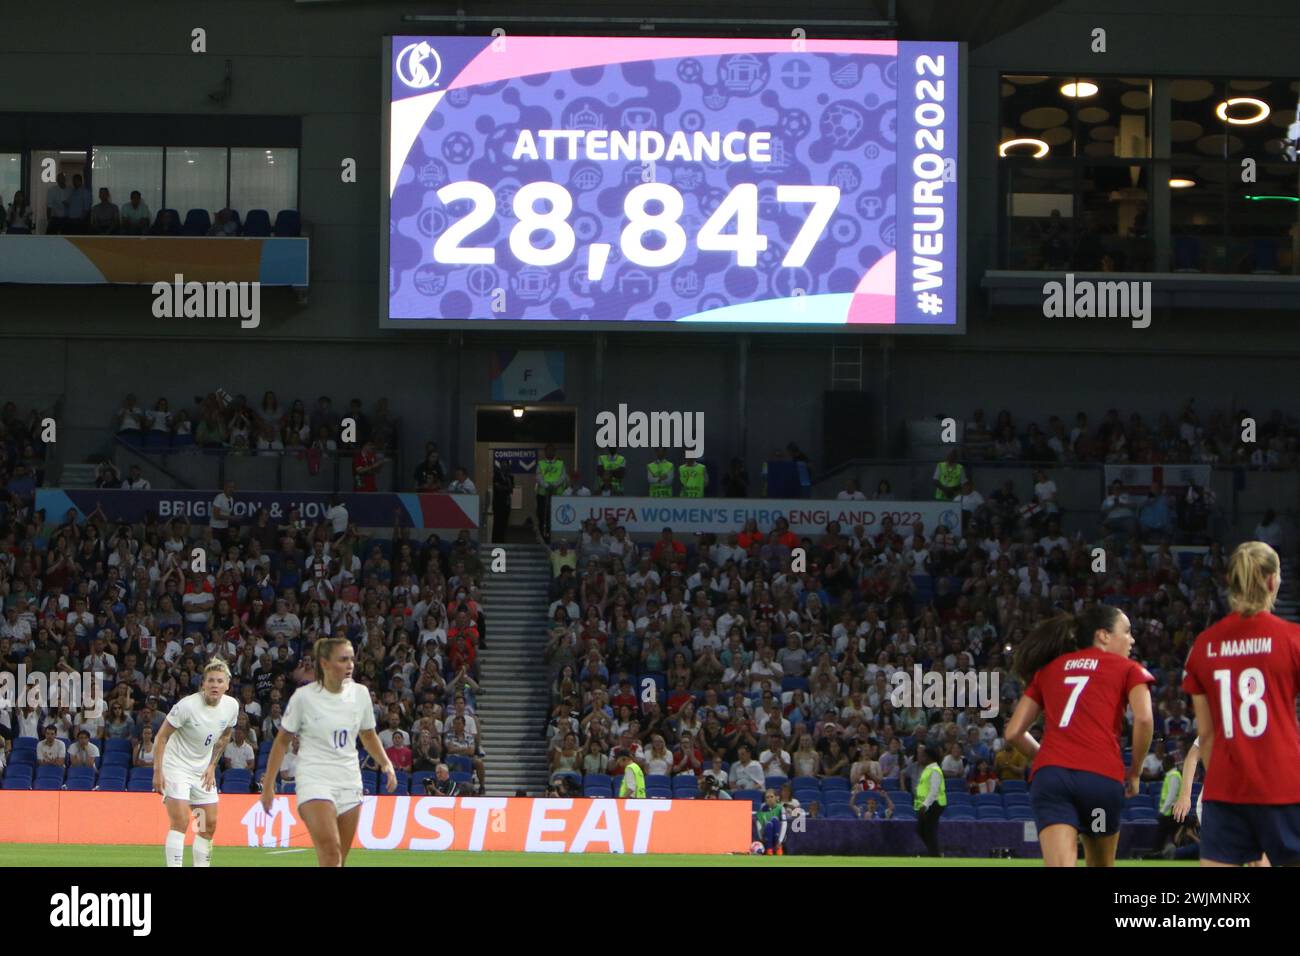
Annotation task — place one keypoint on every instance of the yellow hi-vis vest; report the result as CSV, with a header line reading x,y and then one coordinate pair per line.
x,y
550,472
1173,779
931,776
950,476
693,478
660,470
640,781
612,463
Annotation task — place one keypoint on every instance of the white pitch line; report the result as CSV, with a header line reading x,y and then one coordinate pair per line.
x,y
280,852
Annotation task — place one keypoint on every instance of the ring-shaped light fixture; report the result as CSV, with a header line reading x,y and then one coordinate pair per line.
x,y
1024,141
1262,110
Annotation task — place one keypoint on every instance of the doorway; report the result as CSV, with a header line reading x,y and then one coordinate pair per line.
x,y
65,162
518,434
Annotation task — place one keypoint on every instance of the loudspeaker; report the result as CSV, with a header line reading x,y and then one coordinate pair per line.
x,y
848,428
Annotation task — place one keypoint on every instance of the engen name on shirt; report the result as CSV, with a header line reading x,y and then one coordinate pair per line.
x,y
1248,645
1082,664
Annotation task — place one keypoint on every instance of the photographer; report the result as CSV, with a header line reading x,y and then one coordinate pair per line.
x,y
441,784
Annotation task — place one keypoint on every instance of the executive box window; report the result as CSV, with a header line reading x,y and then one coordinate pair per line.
x,y
1083,165
11,166
1076,172
124,169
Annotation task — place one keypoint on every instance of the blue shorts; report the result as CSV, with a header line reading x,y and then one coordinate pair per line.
x,y
1242,832
1089,802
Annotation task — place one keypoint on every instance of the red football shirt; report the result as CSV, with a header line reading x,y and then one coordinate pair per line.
x,y
1249,669
1084,696
367,481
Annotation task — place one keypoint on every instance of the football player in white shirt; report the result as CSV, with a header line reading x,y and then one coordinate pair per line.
x,y
186,751
328,717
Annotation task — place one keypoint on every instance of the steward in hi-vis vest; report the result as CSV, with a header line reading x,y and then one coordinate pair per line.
x,y
693,476
552,477
660,475
610,468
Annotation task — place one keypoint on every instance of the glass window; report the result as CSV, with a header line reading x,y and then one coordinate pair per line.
x,y
11,165
1039,214
1196,203
125,169
196,179
263,179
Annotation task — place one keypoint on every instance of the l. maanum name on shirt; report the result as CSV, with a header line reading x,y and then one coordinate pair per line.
x,y
1240,648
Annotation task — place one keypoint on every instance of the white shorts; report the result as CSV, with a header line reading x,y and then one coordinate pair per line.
x,y
188,787
343,798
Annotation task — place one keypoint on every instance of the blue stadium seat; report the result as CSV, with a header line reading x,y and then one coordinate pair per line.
x,y
27,757
197,223
257,223
17,782
594,791
806,797
597,780
117,759
753,796
369,782
904,811
990,813
418,778
834,783
140,786
794,683
111,781
462,776
959,813
986,800
1137,814
806,783
658,780
25,743
686,783
1142,800
288,224
287,788
233,781
1013,786
841,811
685,794
264,747
1020,812
775,782
1016,800
458,762
834,798
140,773
80,783
118,745
959,798
891,784
659,793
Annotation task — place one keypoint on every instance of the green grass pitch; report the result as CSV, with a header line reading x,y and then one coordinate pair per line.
x,y
77,856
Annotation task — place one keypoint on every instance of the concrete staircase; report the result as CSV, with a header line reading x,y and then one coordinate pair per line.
x,y
513,708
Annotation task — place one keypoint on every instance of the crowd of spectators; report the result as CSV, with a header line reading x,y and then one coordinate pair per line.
x,y
1183,438
22,458
715,659
99,598
223,424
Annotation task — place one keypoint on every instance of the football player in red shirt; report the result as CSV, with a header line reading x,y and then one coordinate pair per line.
x,y
1243,674
1079,676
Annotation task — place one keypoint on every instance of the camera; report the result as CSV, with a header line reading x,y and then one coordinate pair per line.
x,y
430,786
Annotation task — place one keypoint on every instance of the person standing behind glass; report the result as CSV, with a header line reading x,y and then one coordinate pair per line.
x,y
18,221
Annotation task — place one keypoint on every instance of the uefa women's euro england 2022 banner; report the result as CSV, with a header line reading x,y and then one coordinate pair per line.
x,y
608,182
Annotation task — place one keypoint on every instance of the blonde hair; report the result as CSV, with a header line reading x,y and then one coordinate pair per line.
x,y
216,664
322,651
1249,568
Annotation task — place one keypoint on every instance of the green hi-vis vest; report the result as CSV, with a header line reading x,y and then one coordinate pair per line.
x,y
612,463
640,781
693,478
931,776
950,477
551,474
1174,780
661,470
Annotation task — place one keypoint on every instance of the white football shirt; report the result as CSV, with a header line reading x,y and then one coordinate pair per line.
x,y
327,726
196,727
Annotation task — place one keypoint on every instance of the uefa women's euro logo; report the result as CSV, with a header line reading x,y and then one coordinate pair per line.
x,y
418,65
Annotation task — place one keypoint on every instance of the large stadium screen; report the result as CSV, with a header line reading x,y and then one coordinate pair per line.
x,y
654,183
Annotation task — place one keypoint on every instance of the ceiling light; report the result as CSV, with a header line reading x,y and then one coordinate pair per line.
x,y
517,411
1261,114
1025,141
1180,183
1079,89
